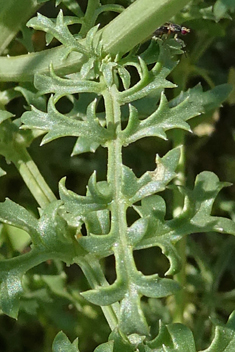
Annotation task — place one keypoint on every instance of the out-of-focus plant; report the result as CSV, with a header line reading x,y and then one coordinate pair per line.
x,y
104,89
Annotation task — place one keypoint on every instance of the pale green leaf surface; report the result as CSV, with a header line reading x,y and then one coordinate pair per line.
x,y
26,39
129,182
58,125
2,172
13,15
137,230
128,288
4,115
13,141
10,292
104,296
107,71
101,245
87,69
57,29
53,228
81,205
208,100
84,145
224,339
149,82
158,234
173,338
13,214
125,76
49,242
156,181
6,96
222,7
174,114
198,206
143,97
98,222
120,342
99,241
152,181
31,96
72,5
155,287
57,284
132,319
61,343
11,273
163,119
64,86
153,209
105,347
98,190
215,97
92,44
196,217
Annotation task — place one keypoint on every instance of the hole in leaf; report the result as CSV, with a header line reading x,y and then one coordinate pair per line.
x,y
132,215
15,106
64,105
49,267
140,156
151,261
110,269
75,273
133,74
106,17
100,105
223,314
74,28
226,282
14,241
192,262
83,230
39,41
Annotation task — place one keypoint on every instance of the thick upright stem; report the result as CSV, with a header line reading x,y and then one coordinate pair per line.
x,y
119,36
114,174
89,15
33,178
95,276
122,251
179,298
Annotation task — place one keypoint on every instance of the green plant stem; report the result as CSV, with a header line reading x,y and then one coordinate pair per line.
x,y
122,35
89,15
13,15
118,207
23,68
118,37
91,268
95,276
180,298
33,178
33,258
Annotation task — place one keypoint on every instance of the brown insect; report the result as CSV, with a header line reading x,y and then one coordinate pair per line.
x,y
171,28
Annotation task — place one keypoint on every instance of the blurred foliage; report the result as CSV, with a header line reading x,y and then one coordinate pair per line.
x,y
210,59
